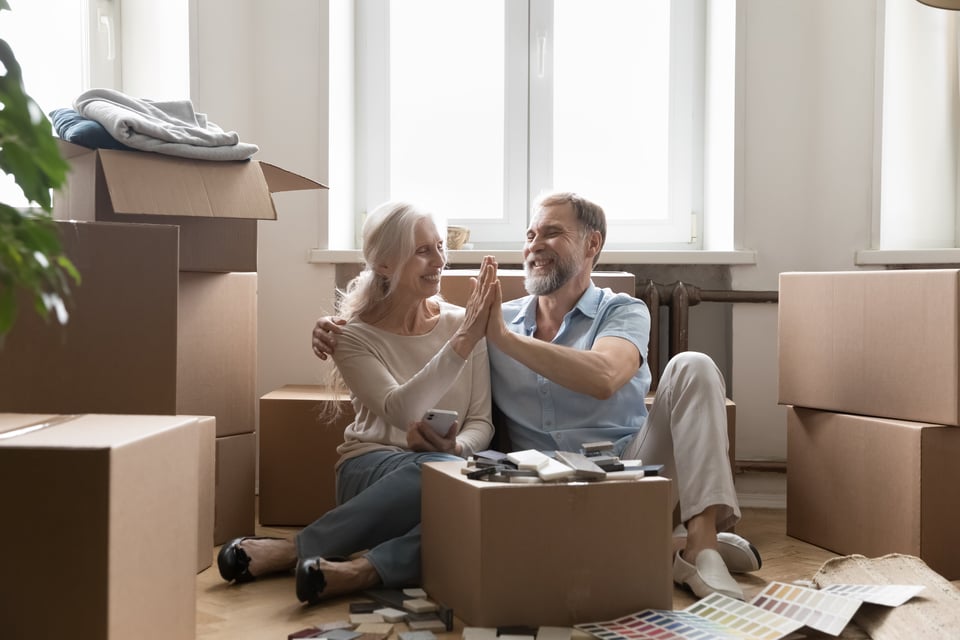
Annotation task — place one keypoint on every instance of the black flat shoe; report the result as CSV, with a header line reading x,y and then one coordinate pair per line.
x,y
310,581
234,563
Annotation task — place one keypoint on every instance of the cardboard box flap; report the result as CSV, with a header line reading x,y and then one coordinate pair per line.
x,y
96,431
282,180
12,424
146,183
70,150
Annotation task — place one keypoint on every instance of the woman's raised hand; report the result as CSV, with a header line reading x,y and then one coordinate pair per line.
x,y
478,308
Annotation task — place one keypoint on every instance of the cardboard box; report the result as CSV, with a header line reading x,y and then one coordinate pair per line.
x,y
217,349
455,285
550,554
142,338
298,452
878,343
873,486
207,481
100,515
215,204
234,504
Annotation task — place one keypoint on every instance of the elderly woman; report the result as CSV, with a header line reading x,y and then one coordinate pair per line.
x,y
403,351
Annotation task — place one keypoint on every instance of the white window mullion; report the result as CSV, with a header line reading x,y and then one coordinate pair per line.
x,y
373,104
507,231
686,115
541,43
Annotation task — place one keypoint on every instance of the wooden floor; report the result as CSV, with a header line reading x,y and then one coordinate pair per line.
x,y
268,607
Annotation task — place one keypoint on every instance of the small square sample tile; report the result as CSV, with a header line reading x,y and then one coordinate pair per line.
x,y
363,606
513,636
310,632
374,636
419,605
596,447
341,634
384,628
363,618
336,625
554,633
529,459
417,635
432,624
555,470
389,614
479,633
584,466
414,592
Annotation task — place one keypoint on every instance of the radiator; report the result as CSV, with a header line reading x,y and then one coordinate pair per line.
x,y
678,297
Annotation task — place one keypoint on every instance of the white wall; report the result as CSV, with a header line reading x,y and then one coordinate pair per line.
x,y
804,172
262,69
805,178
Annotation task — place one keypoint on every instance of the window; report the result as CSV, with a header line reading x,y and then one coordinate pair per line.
x,y
63,47
473,108
920,131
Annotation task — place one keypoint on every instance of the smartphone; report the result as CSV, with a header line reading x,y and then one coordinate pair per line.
x,y
440,420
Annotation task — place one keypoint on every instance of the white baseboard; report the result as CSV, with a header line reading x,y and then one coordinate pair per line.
x,y
762,490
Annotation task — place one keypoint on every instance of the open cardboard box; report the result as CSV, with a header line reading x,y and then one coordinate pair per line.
x,y
554,554
215,204
101,520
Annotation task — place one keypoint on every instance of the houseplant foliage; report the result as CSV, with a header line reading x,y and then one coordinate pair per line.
x,y
31,257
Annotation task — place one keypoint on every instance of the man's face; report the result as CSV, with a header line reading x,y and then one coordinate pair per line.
x,y
554,250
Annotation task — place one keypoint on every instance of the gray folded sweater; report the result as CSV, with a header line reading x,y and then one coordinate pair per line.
x,y
170,127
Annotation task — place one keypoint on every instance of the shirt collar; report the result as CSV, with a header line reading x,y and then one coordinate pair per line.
x,y
588,305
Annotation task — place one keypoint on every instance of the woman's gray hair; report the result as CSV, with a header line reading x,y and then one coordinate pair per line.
x,y
388,239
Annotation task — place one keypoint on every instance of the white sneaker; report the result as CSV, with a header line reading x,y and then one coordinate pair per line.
x,y
710,575
737,552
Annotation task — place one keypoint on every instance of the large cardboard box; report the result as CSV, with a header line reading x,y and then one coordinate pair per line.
x,y
142,338
873,486
216,205
878,343
100,517
217,349
298,452
235,501
455,285
548,554
207,481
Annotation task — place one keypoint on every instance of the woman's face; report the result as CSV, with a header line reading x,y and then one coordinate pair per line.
x,y
420,274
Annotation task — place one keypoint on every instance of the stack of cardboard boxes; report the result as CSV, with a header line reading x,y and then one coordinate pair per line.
x,y
870,367
164,321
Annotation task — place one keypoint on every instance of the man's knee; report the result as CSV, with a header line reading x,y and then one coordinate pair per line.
x,y
693,363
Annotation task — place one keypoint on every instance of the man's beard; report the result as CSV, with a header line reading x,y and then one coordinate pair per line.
x,y
560,273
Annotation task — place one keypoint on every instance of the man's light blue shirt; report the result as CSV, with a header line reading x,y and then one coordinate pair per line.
x,y
543,415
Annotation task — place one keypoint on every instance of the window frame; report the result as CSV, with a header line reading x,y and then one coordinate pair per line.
x,y
687,157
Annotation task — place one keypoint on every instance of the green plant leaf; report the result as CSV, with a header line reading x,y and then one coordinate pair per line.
x,y
31,257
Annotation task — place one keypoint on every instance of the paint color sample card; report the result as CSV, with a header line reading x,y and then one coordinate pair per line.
x,y
888,595
820,610
714,617
777,611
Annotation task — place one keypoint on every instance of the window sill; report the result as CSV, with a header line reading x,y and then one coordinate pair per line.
x,y
930,257
514,256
